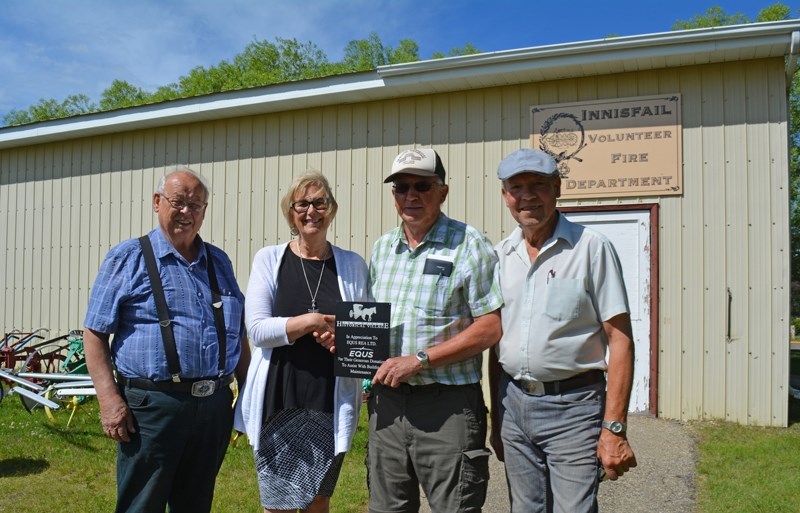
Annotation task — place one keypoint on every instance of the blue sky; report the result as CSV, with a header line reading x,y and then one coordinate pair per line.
x,y
55,48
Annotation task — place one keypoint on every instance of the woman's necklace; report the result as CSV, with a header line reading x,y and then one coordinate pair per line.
x,y
313,295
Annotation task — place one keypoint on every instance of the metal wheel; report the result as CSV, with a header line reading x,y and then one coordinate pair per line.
x,y
70,403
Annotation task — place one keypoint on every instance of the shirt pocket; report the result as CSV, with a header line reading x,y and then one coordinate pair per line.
x,y
436,296
564,298
232,308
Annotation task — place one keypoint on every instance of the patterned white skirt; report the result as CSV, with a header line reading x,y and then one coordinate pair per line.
x,y
295,461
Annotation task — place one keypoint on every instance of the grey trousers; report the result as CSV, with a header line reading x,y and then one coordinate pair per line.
x,y
550,445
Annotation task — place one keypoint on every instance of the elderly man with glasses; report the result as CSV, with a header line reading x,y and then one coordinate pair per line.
x,y
427,418
177,316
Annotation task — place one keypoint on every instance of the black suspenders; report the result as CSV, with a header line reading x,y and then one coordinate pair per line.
x,y
167,334
216,307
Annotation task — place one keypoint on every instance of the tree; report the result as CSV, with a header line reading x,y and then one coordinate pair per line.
x,y
408,51
257,63
467,49
17,117
365,54
122,94
794,190
298,61
51,109
260,63
774,12
370,53
714,17
166,93
202,81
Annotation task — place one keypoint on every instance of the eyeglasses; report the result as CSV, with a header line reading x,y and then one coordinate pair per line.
x,y
403,188
301,206
179,204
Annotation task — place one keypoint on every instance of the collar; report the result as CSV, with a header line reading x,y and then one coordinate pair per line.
x,y
436,233
565,230
162,247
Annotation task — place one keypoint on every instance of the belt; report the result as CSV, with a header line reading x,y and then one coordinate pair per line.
x,y
406,389
584,379
198,387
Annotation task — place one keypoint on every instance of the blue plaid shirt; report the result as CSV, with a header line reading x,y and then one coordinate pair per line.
x,y
121,302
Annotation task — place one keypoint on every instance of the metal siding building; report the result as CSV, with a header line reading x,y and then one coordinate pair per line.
x,y
71,189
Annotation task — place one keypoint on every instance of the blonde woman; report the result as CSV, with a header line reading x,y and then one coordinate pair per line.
x,y
299,417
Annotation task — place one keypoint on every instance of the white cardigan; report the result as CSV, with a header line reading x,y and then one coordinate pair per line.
x,y
267,332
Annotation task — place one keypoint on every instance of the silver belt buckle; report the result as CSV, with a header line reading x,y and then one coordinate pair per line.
x,y
531,387
203,388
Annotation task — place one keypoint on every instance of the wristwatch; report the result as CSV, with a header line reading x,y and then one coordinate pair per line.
x,y
615,426
423,358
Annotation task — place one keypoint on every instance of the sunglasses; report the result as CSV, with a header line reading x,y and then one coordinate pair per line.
x,y
403,188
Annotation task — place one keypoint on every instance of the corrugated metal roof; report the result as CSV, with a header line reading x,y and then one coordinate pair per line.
x,y
526,65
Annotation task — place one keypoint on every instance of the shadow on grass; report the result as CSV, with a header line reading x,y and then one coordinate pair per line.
x,y
77,437
17,467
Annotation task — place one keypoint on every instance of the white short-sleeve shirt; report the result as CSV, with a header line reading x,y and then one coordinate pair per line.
x,y
555,306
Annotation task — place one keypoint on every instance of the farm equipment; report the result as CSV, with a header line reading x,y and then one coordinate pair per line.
x,y
52,374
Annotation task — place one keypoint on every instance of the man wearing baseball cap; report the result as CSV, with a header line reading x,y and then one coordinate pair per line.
x,y
558,410
427,417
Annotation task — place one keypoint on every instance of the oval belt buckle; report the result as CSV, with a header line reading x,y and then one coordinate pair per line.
x,y
532,387
203,388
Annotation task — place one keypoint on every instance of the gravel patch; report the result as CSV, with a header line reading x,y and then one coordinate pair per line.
x,y
662,482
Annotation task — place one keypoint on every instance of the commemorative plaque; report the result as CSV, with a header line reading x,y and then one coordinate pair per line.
x,y
362,338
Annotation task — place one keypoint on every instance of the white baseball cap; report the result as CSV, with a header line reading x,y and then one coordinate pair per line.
x,y
420,162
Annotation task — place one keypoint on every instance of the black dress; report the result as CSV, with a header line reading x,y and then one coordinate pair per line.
x,y
296,460
301,375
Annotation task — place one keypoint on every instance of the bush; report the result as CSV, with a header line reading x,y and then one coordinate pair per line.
x,y
796,325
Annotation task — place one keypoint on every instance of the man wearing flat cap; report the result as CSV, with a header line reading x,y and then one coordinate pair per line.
x,y
558,409
427,418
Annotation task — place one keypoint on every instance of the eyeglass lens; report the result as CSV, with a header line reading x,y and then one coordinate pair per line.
x,y
402,188
179,204
302,205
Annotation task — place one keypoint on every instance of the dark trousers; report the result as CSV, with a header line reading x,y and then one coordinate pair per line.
x,y
173,458
430,435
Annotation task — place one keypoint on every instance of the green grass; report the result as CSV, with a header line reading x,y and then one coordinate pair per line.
x,y
748,469
46,468
51,468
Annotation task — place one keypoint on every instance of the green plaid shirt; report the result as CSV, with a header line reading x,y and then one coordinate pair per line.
x,y
430,308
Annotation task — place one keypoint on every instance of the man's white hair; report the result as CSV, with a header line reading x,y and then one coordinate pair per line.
x,y
180,168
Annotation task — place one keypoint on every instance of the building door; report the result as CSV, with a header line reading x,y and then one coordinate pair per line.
x,y
629,232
